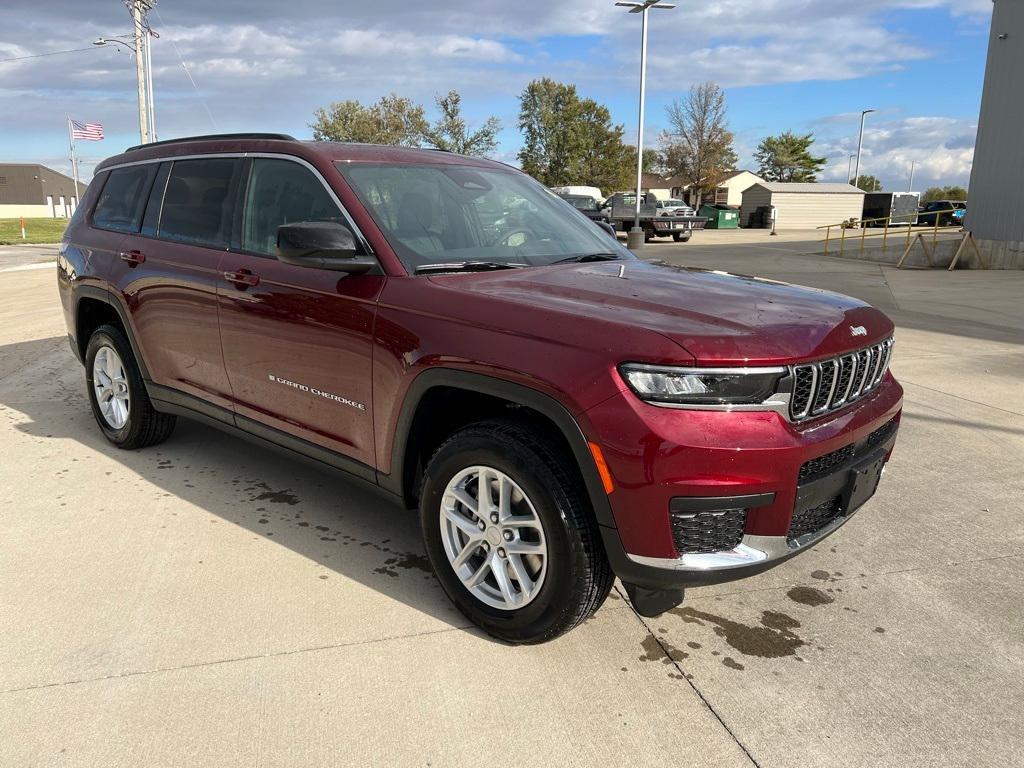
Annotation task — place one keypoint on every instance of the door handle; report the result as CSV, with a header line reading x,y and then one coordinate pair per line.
x,y
133,258
242,279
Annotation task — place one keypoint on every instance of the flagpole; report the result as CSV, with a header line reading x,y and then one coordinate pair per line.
x,y
74,162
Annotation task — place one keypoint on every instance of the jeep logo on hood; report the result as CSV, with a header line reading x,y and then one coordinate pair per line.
x,y
858,330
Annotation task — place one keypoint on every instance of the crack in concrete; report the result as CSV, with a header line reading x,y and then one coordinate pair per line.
x,y
673,659
217,662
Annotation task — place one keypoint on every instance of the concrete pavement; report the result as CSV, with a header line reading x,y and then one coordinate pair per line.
x,y
207,602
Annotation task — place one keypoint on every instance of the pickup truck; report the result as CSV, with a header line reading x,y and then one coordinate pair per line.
x,y
620,209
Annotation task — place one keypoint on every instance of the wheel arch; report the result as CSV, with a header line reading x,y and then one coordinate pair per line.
x,y
94,306
416,430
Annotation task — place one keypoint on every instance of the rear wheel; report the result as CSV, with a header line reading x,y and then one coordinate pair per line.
x,y
117,394
510,534
680,237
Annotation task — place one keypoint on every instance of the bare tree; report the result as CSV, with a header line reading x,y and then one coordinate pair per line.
x,y
699,145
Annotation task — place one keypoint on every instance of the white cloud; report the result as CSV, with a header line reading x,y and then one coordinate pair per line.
x,y
942,149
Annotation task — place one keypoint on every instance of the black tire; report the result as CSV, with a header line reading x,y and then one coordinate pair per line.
x,y
145,426
578,577
679,237
648,235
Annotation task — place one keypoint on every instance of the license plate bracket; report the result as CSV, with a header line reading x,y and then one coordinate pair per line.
x,y
862,484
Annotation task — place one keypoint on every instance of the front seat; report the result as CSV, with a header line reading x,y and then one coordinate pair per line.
x,y
415,218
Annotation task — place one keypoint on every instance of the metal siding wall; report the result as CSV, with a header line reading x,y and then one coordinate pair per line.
x,y
996,194
806,211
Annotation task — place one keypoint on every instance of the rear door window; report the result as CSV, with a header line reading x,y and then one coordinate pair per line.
x,y
123,198
198,202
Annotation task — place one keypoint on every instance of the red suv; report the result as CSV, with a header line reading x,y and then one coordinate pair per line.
x,y
447,329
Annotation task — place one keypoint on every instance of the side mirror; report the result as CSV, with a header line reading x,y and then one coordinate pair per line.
x,y
321,245
607,228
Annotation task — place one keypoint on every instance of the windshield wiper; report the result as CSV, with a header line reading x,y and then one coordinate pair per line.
x,y
588,257
467,266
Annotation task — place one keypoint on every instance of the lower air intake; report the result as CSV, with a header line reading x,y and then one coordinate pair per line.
x,y
702,532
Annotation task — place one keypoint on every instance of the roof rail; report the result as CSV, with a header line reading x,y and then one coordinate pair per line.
x,y
214,137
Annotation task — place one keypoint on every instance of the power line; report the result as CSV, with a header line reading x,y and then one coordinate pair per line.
x,y
184,66
51,53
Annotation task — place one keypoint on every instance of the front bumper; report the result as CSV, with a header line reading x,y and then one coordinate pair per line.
x,y
750,460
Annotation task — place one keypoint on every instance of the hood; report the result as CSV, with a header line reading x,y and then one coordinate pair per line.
x,y
715,316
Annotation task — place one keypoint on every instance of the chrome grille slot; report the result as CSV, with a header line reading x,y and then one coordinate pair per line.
x,y
828,385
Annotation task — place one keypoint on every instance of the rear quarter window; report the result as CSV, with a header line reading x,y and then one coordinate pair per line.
x,y
123,197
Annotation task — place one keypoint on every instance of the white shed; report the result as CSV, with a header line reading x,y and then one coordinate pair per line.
x,y
803,205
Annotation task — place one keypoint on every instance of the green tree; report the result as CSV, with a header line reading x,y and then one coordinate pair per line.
x,y
944,193
699,145
787,157
570,140
868,183
450,132
391,120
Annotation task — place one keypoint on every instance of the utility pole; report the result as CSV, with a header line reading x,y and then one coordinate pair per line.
x,y
143,37
911,187
135,8
636,238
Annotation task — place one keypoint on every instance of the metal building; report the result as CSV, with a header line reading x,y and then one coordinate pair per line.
x,y
35,191
802,205
996,194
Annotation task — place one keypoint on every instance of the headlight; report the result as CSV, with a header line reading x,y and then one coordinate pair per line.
x,y
697,386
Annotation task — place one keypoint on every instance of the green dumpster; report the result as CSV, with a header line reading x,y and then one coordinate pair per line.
x,y
720,216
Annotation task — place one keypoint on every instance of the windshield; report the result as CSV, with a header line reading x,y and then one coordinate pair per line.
x,y
437,214
582,203
673,204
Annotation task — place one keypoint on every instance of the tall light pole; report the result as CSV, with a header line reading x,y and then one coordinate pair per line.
x,y
860,145
911,187
636,238
849,168
147,113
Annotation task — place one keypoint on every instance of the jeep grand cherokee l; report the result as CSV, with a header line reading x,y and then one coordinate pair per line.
x,y
443,327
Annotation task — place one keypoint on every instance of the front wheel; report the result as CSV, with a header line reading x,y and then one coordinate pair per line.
x,y
510,534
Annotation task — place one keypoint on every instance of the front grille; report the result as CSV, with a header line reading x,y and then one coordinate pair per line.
x,y
814,519
700,532
831,384
824,464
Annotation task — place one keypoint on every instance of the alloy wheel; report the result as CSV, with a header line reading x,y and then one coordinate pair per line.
x,y
111,387
493,538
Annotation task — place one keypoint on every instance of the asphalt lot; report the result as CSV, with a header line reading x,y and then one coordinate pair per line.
x,y
208,603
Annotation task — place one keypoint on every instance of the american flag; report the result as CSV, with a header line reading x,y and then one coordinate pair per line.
x,y
86,131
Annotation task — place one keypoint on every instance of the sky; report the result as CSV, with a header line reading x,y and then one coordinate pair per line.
x,y
809,66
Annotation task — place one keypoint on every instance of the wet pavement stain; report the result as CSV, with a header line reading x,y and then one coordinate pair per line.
x,y
880,630
809,596
731,663
407,561
820,575
274,497
661,651
773,639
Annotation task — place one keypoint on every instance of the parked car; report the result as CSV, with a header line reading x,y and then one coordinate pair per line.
x,y
558,411
586,205
673,207
949,212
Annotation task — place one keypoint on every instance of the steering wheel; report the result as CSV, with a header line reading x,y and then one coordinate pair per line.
x,y
508,236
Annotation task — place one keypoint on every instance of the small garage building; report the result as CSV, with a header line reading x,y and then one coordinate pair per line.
x,y
801,205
